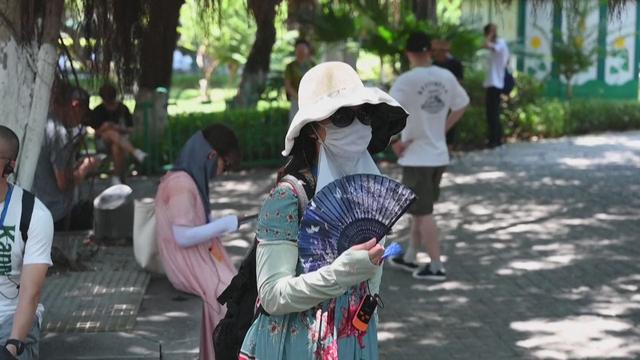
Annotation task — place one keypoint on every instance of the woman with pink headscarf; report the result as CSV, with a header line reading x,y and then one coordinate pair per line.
x,y
192,256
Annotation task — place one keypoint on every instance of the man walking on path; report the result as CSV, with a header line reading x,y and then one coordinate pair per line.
x,y
23,264
494,82
435,101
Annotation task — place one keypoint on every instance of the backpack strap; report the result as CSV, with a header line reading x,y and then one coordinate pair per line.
x,y
28,200
298,188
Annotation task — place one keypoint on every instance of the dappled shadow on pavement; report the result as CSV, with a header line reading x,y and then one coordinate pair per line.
x,y
541,245
542,257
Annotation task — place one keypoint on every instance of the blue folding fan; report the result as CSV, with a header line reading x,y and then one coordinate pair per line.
x,y
349,211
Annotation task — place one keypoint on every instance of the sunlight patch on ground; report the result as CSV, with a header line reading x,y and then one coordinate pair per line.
x,y
609,217
483,176
625,158
387,335
137,350
559,182
562,255
479,209
448,286
577,337
558,247
606,140
514,219
545,263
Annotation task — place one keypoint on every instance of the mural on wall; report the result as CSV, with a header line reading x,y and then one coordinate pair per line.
x,y
538,30
606,49
589,30
621,48
478,14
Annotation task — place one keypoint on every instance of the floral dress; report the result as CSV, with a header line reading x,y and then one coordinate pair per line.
x,y
323,332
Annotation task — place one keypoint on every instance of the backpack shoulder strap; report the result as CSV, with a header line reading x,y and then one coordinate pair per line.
x,y
28,200
299,189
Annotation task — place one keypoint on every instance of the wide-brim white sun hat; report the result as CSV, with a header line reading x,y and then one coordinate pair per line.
x,y
329,86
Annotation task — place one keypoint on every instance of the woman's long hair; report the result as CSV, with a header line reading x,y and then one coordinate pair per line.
x,y
304,154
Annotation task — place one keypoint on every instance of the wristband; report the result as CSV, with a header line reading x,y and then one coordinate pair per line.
x,y
17,343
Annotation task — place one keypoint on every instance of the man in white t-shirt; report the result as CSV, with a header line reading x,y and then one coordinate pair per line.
x,y
23,264
494,82
435,101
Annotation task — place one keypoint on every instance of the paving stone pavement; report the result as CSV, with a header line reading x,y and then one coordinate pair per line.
x,y
542,257
542,254
541,243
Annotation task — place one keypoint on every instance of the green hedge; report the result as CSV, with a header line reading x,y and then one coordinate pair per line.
x,y
549,118
587,116
261,133
525,115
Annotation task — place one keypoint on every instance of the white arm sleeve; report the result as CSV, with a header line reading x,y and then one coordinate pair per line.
x,y
282,292
189,236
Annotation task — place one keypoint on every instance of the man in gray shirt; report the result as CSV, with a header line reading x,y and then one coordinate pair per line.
x,y
58,171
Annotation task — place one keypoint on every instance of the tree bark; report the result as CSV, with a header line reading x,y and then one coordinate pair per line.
x,y
426,10
27,67
256,70
158,43
156,64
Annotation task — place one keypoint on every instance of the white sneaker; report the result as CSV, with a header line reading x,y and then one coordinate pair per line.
x,y
140,155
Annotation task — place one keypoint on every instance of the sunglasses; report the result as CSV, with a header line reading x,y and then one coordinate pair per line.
x,y
345,116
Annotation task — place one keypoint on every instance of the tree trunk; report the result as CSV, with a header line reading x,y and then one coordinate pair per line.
x,y
569,88
426,10
156,65
256,70
158,44
27,69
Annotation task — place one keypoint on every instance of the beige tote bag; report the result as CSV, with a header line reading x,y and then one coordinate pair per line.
x,y
145,241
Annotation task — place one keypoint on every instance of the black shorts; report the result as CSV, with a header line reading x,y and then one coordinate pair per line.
x,y
425,182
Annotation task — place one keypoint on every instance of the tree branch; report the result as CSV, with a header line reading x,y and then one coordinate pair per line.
x,y
9,24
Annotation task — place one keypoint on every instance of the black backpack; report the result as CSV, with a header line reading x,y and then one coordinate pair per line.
x,y
240,297
28,200
509,82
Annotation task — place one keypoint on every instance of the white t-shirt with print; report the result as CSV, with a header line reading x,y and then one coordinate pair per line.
x,y
13,254
428,94
496,63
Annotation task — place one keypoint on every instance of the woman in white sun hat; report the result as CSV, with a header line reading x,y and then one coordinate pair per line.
x,y
309,316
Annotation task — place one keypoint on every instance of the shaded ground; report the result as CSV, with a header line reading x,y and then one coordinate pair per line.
x,y
542,255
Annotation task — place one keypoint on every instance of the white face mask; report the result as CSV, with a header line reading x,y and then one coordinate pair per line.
x,y
344,152
346,144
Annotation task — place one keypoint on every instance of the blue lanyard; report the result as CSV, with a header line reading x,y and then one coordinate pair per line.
x,y
7,199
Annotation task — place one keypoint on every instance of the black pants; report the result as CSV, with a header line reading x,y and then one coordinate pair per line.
x,y
492,105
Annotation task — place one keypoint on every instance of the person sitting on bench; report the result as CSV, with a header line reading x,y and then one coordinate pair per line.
x,y
113,123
